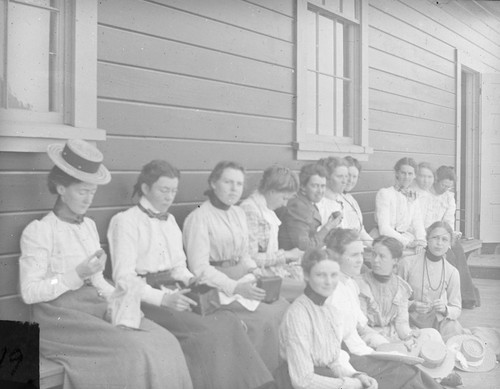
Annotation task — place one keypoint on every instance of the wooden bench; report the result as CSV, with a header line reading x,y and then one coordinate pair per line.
x,y
470,246
51,374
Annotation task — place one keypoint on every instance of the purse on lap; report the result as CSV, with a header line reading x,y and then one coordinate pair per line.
x,y
206,297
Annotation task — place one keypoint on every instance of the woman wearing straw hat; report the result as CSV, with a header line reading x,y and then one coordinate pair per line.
x,y
61,269
146,244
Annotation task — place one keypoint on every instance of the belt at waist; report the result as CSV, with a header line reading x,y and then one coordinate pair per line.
x,y
226,263
156,280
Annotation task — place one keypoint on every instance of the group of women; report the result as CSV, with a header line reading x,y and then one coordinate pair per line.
x,y
135,332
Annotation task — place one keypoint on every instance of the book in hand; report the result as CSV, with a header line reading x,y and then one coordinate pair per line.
x,y
206,297
272,286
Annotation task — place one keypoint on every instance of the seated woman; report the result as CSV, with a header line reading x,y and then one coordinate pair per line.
x,y
61,268
437,203
336,180
311,334
384,295
145,243
347,250
352,215
216,242
397,210
301,221
436,301
277,185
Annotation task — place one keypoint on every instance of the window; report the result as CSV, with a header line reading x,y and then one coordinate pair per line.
x,y
332,82
48,63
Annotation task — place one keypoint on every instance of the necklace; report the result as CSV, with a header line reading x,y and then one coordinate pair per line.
x,y
440,286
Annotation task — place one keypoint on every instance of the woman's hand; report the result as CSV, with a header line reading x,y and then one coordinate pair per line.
x,y
333,221
439,306
352,383
250,291
92,265
421,307
293,255
178,301
367,381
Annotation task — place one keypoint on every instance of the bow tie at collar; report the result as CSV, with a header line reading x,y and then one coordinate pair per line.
x,y
151,214
409,193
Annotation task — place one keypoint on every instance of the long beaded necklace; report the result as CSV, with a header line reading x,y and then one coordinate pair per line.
x,y
441,281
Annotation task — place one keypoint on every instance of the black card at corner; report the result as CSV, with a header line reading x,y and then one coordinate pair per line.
x,y
19,355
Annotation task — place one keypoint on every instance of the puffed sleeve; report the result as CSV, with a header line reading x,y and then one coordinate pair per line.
x,y
178,257
402,319
383,216
197,243
38,283
123,243
454,298
418,221
298,219
297,329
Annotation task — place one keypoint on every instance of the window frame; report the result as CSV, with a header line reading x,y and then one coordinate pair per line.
x,y
29,131
313,146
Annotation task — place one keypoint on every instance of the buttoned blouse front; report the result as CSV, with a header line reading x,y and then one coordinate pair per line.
x,y
437,207
398,216
51,249
310,336
213,235
141,244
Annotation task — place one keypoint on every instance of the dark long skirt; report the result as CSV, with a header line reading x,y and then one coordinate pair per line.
x,y
263,327
469,293
95,354
218,352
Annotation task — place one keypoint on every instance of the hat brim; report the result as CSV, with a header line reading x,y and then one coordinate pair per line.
x,y
395,356
489,361
101,177
444,369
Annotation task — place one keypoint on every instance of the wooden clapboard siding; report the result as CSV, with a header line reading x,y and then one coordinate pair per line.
x,y
136,49
166,22
130,118
284,7
385,160
389,141
9,268
13,308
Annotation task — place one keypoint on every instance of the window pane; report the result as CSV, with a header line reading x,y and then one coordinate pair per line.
x,y
339,108
32,61
326,105
311,103
340,60
326,45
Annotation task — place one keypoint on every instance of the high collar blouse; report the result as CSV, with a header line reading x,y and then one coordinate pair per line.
x,y
310,336
141,244
51,249
398,216
214,235
385,304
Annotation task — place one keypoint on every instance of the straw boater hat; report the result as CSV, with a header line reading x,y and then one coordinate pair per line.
x,y
428,353
80,160
472,354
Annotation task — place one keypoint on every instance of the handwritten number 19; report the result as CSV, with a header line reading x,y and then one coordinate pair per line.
x,y
14,357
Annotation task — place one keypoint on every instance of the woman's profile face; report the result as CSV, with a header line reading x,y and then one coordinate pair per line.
x,y
352,179
229,187
405,176
352,259
338,179
444,185
323,277
162,193
382,261
276,199
78,196
425,178
439,241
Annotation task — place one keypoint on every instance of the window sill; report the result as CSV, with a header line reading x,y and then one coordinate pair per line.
x,y
312,151
35,137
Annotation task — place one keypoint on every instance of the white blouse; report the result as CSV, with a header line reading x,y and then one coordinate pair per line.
x,y
437,207
51,249
140,244
310,336
213,235
398,216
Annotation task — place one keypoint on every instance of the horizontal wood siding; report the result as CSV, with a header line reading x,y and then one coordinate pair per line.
x,y
195,82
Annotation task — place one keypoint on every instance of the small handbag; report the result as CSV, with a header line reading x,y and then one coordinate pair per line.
x,y
206,297
272,286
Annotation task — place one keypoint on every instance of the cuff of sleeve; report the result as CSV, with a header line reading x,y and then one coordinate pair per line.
x,y
72,280
230,287
152,296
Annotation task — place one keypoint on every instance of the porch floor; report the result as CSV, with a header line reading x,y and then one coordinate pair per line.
x,y
487,315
